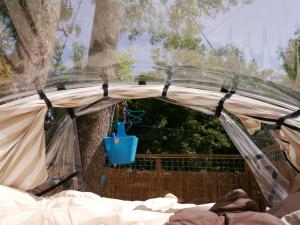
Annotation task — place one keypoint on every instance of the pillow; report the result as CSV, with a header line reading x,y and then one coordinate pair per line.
x,y
234,201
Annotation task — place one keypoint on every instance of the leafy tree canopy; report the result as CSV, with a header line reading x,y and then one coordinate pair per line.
x,y
290,56
166,18
167,128
124,68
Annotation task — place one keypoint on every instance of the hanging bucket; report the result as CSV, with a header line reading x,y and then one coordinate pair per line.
x,y
121,149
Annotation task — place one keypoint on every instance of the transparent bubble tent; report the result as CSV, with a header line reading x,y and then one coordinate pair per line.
x,y
84,56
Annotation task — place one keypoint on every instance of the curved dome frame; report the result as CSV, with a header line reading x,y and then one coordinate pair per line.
x,y
22,137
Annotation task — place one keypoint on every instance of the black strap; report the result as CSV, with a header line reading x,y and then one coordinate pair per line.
x,y
281,120
58,184
168,81
142,82
274,121
61,86
260,156
274,175
224,90
165,90
222,101
43,96
105,89
70,111
284,141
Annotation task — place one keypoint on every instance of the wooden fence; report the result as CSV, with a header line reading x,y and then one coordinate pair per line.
x,y
192,178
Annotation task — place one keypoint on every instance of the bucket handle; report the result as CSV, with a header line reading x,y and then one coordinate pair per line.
x,y
115,138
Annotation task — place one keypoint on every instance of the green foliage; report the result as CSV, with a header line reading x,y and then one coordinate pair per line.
x,y
66,24
5,69
124,68
77,55
66,27
231,59
174,42
149,76
173,26
172,22
289,56
168,128
66,10
223,60
57,63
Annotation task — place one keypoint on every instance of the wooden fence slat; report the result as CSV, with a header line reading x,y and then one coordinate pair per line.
x,y
188,186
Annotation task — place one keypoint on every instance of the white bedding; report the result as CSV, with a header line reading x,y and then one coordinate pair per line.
x,y
84,208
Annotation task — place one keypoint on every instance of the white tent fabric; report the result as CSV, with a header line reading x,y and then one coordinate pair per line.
x,y
22,139
84,208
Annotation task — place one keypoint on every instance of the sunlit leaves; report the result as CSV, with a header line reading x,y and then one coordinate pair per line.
x,y
169,16
66,11
124,65
289,56
59,67
78,52
5,69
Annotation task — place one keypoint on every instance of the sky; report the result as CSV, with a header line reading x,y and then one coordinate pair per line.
x,y
257,29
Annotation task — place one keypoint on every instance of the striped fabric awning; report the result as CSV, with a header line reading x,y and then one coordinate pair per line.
x,y
22,138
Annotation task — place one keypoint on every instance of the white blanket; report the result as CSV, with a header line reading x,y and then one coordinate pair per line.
x,y
78,208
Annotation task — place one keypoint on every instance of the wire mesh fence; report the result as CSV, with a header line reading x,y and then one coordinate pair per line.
x,y
192,178
195,163
278,158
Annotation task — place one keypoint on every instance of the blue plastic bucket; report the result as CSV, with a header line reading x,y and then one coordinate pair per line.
x,y
121,149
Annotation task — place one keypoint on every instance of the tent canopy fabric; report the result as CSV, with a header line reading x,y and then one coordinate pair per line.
x,y
22,141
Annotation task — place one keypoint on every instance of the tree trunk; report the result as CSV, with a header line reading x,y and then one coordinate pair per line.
x,y
36,23
102,56
104,39
92,128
